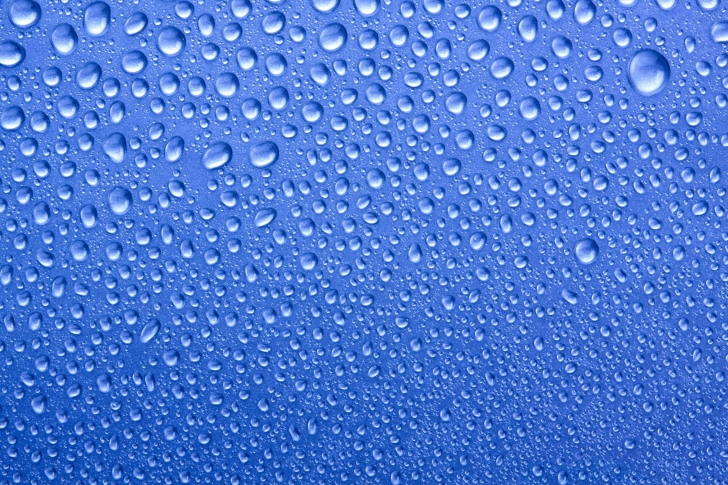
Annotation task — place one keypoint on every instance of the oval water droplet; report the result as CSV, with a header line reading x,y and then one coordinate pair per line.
x,y
150,331
332,37
11,54
96,18
120,200
24,13
586,251
171,41
218,155
264,217
264,154
648,72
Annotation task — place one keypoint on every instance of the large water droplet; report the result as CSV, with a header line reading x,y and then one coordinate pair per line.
x,y
648,72
120,200
150,331
135,23
263,154
586,251
96,18
529,108
332,37
11,54
719,32
264,217
489,18
88,76
64,39
24,13
366,7
219,154
12,118
171,41
115,147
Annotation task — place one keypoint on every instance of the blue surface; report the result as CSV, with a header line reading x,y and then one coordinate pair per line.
x,y
363,241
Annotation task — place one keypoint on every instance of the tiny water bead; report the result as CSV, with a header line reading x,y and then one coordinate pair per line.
x,y
363,241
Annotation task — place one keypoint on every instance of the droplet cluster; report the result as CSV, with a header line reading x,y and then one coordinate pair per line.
x,y
363,241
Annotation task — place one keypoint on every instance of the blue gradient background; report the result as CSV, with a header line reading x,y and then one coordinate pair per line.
x,y
363,241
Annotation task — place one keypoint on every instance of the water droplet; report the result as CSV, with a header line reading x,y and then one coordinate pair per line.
x,y
489,18
12,118
649,72
528,28
11,54
366,8
171,41
265,217
332,37
586,251
64,39
149,331
135,23
115,147
719,32
263,154
120,200
96,18
24,13
219,154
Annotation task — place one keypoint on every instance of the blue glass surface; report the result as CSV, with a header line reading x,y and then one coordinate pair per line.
x,y
363,241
